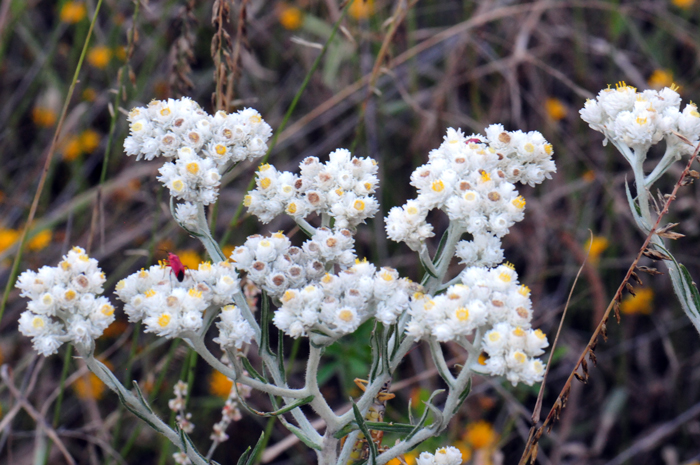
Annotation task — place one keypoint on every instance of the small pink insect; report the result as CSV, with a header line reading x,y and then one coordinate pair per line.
x,y
473,140
176,266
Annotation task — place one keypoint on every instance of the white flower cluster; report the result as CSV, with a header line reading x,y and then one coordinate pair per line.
x,y
444,456
641,119
472,180
339,303
491,301
275,265
342,188
64,304
201,145
170,308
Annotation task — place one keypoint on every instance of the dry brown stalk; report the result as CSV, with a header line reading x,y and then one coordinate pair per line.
x,y
530,452
182,50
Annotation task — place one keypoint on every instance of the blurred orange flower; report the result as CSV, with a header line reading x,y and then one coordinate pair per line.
x,y
641,303
219,384
361,9
660,78
73,12
99,56
555,108
41,240
290,17
597,245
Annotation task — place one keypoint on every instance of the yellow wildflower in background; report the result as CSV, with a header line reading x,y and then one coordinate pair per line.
x,y
660,78
588,176
597,246
99,56
361,9
7,238
43,116
219,384
89,94
89,140
189,258
641,303
41,240
683,3
464,449
70,148
89,387
290,17
555,108
480,435
73,12
228,250
410,457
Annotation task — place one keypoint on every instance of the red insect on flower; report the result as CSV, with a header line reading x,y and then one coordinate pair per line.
x,y
176,266
473,140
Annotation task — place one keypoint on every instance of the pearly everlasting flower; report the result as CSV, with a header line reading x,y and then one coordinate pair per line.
x,y
339,303
341,188
234,330
201,146
64,303
169,307
443,456
639,120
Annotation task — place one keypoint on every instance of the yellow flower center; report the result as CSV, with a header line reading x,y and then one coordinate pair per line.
x,y
38,322
519,202
178,185
255,119
150,293
164,320
494,336
520,357
265,183
107,310
69,295
220,149
345,315
438,185
247,200
195,293
462,314
529,147
412,210
192,167
518,332
292,208
359,205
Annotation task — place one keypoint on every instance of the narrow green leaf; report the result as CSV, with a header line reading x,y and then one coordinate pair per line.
x,y
427,268
463,396
139,394
440,248
248,366
243,460
258,447
423,417
399,428
363,427
300,434
280,352
265,319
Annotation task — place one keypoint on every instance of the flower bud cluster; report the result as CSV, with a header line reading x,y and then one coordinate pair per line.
x,y
170,308
230,412
491,301
201,145
275,265
444,456
642,119
177,405
64,304
472,180
342,188
339,303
